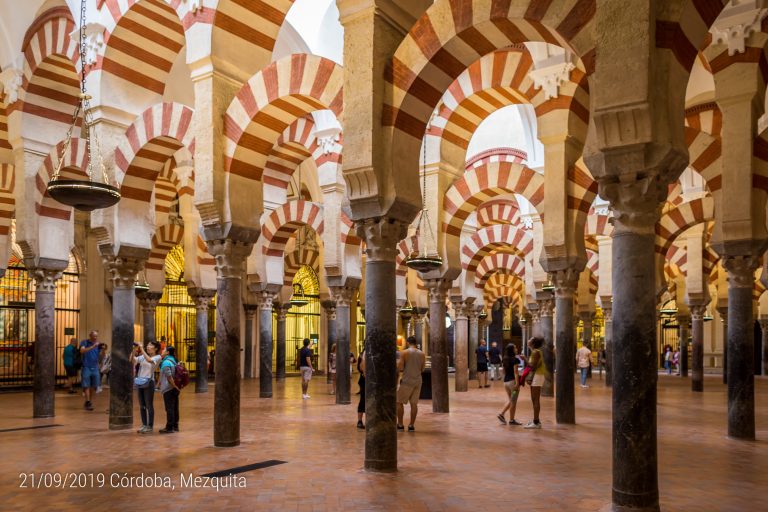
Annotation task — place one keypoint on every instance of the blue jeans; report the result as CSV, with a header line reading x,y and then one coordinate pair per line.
x,y
668,366
146,401
584,372
91,378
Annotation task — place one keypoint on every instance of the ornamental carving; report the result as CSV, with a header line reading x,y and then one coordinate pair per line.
x,y
342,295
381,237
230,257
565,282
45,279
741,270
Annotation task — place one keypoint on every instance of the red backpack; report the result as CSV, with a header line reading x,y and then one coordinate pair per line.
x,y
180,375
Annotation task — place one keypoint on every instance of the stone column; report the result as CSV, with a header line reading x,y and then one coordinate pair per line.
x,y
123,272
682,322
381,236
330,316
264,301
230,258
741,356
44,384
281,311
473,340
461,333
607,315
202,299
250,317
438,345
764,332
548,350
697,331
586,332
148,302
723,312
565,282
342,295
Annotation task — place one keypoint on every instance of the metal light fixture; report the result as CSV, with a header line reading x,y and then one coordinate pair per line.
x,y
668,311
298,298
548,286
707,317
482,315
81,194
424,260
141,285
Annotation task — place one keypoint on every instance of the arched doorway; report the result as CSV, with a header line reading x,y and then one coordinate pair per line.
x,y
301,322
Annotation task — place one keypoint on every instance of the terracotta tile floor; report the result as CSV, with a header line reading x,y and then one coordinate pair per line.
x,y
462,461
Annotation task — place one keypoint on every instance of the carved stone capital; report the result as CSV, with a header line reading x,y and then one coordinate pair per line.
x,y
45,279
741,270
265,299
587,317
736,24
437,289
697,311
230,256
565,281
330,308
281,311
381,236
546,307
635,201
342,295
123,270
202,298
149,300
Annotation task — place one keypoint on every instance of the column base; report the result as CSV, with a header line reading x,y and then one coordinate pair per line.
x,y
265,395
633,508
202,390
380,466
226,444
120,423
44,415
697,386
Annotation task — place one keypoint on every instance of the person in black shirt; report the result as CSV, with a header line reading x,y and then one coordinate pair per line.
x,y
482,364
495,356
305,365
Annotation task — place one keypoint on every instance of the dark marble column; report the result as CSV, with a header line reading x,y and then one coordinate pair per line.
x,y
148,302
697,331
331,329
586,331
264,301
381,236
607,315
250,317
230,258
281,312
419,318
202,299
44,384
682,322
723,312
764,332
548,350
123,271
438,345
461,332
565,282
343,295
474,331
741,352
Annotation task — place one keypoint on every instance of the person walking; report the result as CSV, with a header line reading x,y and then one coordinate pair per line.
x,y
305,365
583,361
169,390
105,363
147,360
332,368
91,378
535,367
482,365
412,362
511,384
70,356
494,355
361,383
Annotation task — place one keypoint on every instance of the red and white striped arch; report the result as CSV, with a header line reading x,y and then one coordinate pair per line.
x,y
7,199
494,155
141,155
204,258
284,221
167,185
348,234
166,237
405,248
273,99
498,211
679,219
499,261
296,259
488,239
74,167
503,285
5,144
142,41
582,191
598,224
685,29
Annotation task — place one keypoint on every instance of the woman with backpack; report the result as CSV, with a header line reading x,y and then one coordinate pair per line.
x,y
170,390
147,361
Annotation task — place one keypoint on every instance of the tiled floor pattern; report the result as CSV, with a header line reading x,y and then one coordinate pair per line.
x,y
461,461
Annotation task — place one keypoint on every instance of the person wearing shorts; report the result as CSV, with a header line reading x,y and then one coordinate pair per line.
x,y
91,377
411,363
482,365
69,364
536,364
511,385
305,365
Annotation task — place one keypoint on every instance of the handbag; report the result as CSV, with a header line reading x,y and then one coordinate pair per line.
x,y
142,382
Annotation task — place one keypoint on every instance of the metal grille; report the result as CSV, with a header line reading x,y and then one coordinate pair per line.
x,y
17,322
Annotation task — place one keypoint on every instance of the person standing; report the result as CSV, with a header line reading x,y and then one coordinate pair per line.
x,y
537,368
105,363
91,377
305,365
583,361
412,362
169,390
600,362
147,360
511,384
494,354
668,356
332,368
70,358
361,383
482,365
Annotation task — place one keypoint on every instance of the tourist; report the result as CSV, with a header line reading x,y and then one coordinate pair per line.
x,y
676,360
494,355
332,368
412,362
91,378
70,359
511,384
601,362
305,365
169,390
535,375
482,365
668,359
361,383
147,360
583,361
105,363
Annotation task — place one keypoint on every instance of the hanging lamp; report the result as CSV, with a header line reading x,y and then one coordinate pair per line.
x,y
83,194
482,315
548,286
424,260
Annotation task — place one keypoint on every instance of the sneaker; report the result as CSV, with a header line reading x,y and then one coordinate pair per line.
x,y
401,428
303,397
88,406
360,425
147,430
514,422
531,425
307,396
502,419
142,429
411,429
98,389
166,431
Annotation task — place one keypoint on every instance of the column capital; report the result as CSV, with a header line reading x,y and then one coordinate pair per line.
x,y
329,306
459,310
587,316
250,310
723,312
230,256
565,280
265,299
149,300
546,307
342,295
281,310
636,202
202,298
45,279
763,322
381,236
697,311
123,270
437,289
741,270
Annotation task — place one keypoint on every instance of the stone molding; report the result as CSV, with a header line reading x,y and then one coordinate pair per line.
x,y
734,26
381,236
230,256
550,78
123,270
741,270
